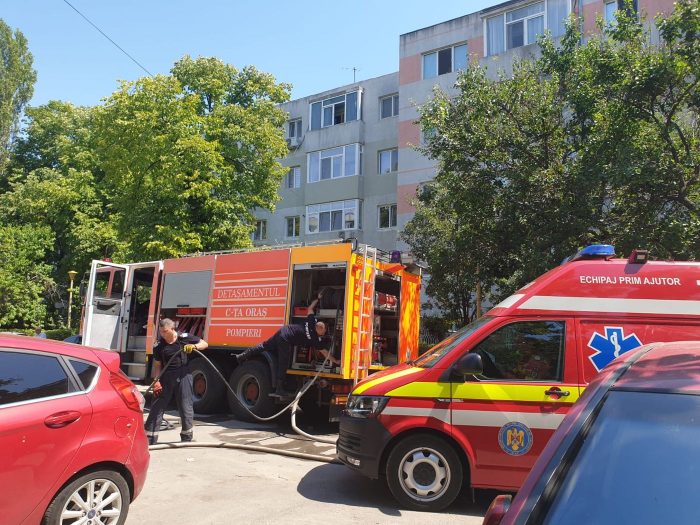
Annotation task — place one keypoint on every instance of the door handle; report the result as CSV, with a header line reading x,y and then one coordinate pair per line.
x,y
556,391
62,419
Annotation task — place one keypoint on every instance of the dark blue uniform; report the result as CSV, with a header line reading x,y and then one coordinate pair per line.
x,y
282,342
176,381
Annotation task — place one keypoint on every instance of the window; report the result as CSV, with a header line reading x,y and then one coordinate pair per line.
x,y
445,61
610,12
293,179
293,227
334,163
85,371
333,216
427,134
26,377
495,36
389,106
389,160
557,13
524,351
260,231
654,429
336,110
522,26
117,284
294,130
387,216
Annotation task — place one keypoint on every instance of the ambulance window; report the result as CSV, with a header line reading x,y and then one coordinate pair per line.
x,y
524,351
437,352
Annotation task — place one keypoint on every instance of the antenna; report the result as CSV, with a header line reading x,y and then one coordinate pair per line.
x,y
354,72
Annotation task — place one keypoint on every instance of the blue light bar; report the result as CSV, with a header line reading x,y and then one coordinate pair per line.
x,y
602,251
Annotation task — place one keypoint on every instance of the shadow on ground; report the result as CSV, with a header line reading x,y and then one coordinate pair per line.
x,y
338,484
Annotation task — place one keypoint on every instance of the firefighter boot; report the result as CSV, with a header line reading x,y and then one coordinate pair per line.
x,y
281,391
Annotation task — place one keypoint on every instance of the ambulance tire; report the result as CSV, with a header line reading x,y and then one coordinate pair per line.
x,y
424,473
252,382
209,389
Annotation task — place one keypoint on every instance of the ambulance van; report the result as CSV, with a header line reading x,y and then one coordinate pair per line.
x,y
476,410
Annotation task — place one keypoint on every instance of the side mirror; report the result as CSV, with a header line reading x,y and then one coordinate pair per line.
x,y
469,364
497,510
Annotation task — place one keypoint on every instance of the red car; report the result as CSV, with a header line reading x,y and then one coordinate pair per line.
x,y
72,444
627,452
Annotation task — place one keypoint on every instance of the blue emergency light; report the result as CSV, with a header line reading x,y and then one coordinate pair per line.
x,y
594,251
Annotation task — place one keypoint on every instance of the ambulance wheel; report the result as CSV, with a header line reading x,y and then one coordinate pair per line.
x,y
207,387
252,383
424,473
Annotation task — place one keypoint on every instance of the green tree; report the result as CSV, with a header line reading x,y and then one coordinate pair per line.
x,y
16,85
187,157
633,109
24,276
55,184
594,142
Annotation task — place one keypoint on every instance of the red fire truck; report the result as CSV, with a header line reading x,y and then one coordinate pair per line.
x,y
477,409
236,300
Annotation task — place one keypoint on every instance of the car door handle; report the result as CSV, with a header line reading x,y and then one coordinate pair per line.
x,y
556,391
62,419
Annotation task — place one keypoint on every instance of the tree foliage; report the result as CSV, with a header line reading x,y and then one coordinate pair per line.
x,y
24,276
187,157
55,184
165,166
16,84
593,142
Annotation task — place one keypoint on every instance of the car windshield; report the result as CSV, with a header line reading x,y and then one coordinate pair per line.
x,y
640,459
434,354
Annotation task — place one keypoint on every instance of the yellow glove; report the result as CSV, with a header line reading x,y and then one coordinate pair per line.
x,y
189,348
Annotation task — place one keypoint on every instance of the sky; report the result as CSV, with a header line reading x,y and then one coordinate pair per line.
x,y
312,45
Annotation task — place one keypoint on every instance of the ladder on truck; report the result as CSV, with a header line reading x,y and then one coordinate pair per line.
x,y
363,306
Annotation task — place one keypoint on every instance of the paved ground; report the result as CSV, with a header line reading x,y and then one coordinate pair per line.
x,y
220,486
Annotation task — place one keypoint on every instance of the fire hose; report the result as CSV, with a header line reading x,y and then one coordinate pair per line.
x,y
294,406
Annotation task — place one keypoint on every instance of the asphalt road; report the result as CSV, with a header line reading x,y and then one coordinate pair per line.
x,y
221,486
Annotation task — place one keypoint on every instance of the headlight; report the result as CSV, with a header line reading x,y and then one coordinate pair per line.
x,y
365,406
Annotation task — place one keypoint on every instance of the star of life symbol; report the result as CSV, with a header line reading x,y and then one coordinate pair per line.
x,y
611,345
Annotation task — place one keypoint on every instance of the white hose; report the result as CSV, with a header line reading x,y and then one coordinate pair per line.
x,y
294,405
237,446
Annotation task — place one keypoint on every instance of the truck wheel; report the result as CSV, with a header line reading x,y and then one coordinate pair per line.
x,y
251,381
207,386
424,473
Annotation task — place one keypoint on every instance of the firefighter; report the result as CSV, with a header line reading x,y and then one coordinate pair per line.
x,y
175,381
311,333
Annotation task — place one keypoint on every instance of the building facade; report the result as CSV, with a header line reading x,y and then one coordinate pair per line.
x,y
353,165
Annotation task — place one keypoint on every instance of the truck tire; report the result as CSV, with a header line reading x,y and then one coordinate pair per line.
x,y
252,383
424,472
208,388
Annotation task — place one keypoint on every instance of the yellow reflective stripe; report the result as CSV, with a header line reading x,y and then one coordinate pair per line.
x,y
424,390
374,382
485,392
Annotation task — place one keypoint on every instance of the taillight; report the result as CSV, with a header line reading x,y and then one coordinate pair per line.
x,y
127,391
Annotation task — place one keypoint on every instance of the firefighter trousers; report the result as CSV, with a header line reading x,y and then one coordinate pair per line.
x,y
179,385
275,345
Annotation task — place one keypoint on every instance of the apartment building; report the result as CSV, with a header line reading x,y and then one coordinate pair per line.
x,y
343,166
353,167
